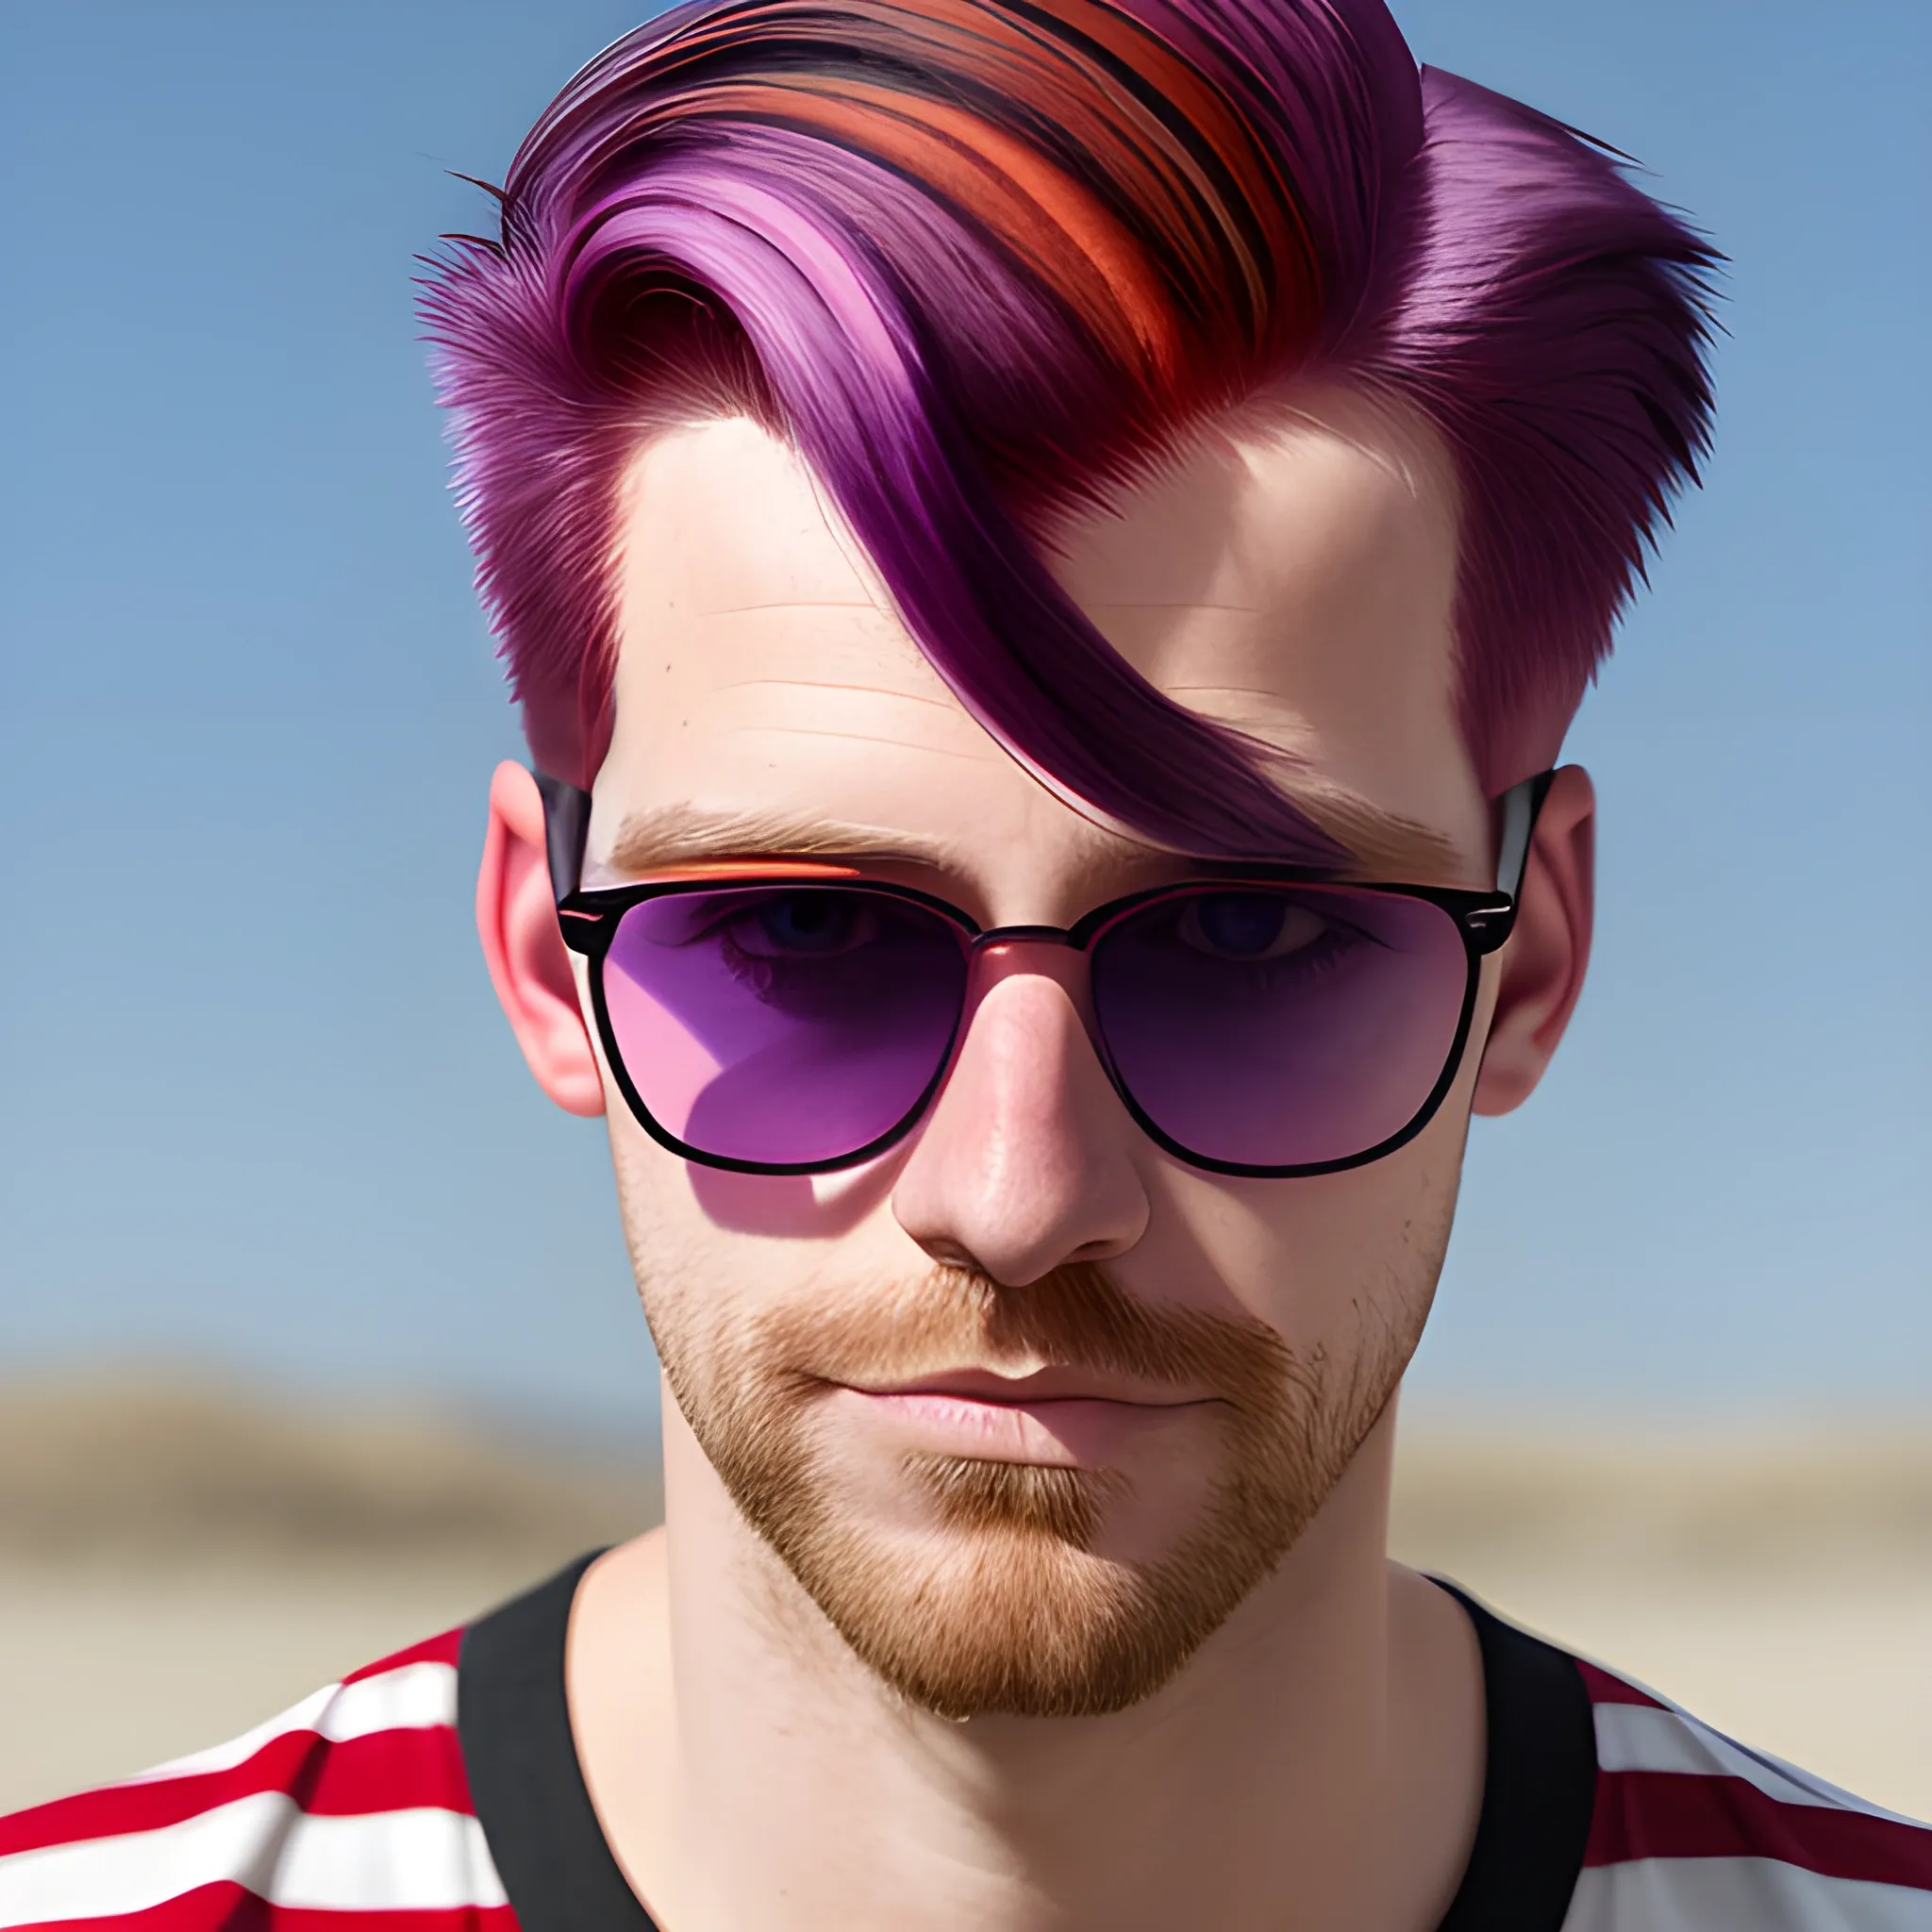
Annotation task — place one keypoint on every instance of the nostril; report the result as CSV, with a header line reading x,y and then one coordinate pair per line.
x,y
950,1254
1104,1250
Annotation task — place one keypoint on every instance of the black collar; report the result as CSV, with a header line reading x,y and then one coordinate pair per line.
x,y
511,1716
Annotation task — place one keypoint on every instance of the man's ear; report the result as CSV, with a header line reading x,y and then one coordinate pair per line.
x,y
1543,963
516,920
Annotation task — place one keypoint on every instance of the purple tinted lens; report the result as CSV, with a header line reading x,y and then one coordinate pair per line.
x,y
1276,1025
783,1024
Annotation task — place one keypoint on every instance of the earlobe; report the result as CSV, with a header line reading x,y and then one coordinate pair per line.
x,y
1543,964
516,920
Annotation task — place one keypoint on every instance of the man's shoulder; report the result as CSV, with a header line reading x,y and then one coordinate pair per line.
x,y
354,1801
1692,1830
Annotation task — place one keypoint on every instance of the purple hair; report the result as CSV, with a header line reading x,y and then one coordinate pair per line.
x,y
1138,214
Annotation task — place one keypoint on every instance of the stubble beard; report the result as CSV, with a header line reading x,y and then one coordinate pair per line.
x,y
1009,1607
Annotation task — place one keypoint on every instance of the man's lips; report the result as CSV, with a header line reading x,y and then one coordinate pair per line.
x,y
1060,1417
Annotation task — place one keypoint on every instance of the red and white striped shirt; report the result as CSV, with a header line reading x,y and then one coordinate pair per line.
x,y
1690,1829
358,1811
354,1801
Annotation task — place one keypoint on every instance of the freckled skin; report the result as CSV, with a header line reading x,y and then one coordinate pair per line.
x,y
1317,1762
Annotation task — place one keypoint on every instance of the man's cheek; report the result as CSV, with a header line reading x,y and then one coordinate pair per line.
x,y
669,1238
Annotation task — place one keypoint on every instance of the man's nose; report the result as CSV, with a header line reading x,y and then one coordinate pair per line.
x,y
1026,1160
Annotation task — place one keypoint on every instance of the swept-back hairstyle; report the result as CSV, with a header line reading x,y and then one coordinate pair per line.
x,y
982,260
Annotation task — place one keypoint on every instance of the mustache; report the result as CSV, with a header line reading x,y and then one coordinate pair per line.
x,y
1075,1316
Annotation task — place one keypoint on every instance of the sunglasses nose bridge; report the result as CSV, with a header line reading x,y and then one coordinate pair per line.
x,y
1049,950
1044,952
1000,937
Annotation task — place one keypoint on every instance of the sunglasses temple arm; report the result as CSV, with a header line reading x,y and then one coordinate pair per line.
x,y
566,827
1521,805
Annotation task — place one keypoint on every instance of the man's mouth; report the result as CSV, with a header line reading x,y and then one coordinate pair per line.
x,y
1063,1418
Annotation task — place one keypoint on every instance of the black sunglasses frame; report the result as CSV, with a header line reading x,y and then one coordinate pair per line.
x,y
589,922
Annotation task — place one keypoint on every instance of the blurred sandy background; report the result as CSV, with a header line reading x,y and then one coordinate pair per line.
x,y
179,1560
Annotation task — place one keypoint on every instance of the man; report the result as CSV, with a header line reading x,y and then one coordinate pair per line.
x,y
1048,552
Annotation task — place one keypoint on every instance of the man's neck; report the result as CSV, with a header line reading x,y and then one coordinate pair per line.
x,y
1318,1764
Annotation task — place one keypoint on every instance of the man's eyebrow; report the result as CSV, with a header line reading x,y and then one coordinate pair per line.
x,y
668,836
1382,844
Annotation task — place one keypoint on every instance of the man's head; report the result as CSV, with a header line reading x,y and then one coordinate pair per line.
x,y
1020,459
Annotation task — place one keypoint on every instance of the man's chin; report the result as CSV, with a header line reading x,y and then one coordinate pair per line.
x,y
991,1614
1000,1588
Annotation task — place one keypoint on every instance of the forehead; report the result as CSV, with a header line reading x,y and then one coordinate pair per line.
x,y
1291,573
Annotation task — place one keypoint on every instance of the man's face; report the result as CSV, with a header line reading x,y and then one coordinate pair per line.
x,y
1028,1406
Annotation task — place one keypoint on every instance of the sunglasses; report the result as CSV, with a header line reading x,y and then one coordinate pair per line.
x,y
1263,1021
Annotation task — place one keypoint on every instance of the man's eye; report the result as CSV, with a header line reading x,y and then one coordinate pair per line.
x,y
804,925
1249,925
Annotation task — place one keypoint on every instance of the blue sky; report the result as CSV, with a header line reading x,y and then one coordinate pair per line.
x,y
256,1101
